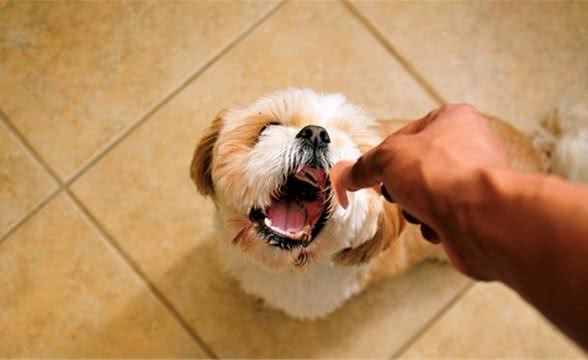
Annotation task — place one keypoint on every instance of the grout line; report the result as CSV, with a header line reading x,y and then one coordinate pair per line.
x,y
109,238
29,147
191,78
12,229
408,66
433,320
35,155
135,267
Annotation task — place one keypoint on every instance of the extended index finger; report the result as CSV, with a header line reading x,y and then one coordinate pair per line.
x,y
367,170
349,176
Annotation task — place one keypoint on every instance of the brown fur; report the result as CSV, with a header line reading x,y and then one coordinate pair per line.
x,y
231,153
390,225
521,153
201,167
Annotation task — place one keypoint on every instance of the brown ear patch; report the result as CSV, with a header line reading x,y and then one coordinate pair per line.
x,y
201,167
390,225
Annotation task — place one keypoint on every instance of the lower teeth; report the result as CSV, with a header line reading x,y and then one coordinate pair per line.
x,y
302,235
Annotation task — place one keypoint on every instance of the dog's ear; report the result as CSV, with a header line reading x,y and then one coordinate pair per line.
x,y
390,225
201,167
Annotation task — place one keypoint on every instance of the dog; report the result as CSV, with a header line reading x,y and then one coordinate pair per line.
x,y
282,234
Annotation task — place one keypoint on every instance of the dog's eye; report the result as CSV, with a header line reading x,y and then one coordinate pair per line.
x,y
273,123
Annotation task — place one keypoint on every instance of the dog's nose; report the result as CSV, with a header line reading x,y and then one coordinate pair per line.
x,y
316,135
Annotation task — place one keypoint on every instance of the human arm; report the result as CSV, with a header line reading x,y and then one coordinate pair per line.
x,y
528,231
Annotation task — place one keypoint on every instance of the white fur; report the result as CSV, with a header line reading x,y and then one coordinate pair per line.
x,y
570,157
569,148
319,287
271,158
308,293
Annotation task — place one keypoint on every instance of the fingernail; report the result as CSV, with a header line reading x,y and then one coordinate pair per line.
x,y
411,219
429,234
386,194
345,203
342,198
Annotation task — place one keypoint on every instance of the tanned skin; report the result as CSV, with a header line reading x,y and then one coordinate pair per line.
x,y
449,172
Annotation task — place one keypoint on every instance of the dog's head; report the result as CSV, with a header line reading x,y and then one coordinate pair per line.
x,y
267,166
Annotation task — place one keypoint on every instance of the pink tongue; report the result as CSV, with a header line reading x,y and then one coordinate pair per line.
x,y
287,215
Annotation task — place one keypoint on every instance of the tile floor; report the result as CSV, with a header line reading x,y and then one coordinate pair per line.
x,y
104,247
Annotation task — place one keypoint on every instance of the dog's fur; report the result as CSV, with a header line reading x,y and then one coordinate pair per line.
x,y
564,137
246,154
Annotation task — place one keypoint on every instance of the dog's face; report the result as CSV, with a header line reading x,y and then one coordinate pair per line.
x,y
267,169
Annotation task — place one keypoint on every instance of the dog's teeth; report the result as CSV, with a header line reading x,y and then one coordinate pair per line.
x,y
296,235
303,234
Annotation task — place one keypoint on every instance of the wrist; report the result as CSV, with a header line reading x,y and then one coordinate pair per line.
x,y
502,222
484,215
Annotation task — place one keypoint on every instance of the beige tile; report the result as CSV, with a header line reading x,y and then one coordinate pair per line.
x,y
514,59
161,221
73,75
66,293
23,182
492,321
372,325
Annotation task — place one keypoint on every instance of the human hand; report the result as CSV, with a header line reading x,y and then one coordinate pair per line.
x,y
431,168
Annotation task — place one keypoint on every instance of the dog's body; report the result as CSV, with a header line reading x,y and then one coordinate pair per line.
x,y
283,236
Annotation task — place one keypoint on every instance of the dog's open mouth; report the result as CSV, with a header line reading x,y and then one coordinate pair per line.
x,y
298,212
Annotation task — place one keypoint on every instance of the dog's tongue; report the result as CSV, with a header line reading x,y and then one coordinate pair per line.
x,y
287,215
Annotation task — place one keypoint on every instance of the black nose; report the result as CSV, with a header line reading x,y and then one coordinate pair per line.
x,y
315,135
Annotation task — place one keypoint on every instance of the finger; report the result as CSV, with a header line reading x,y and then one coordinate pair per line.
x,y
339,174
429,234
384,192
339,182
411,219
366,172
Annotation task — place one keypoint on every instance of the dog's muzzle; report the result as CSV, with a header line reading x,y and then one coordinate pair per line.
x,y
300,206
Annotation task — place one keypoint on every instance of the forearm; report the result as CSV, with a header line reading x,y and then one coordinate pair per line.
x,y
537,228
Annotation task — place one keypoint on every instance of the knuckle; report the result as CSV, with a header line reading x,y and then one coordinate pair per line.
x,y
379,155
380,158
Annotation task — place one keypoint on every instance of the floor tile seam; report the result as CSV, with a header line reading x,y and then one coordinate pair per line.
x,y
433,320
104,234
396,54
124,134
136,269
30,150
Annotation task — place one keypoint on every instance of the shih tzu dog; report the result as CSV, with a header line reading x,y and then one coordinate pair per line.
x,y
282,234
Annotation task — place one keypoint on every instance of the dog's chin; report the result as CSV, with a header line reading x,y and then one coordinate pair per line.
x,y
299,209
